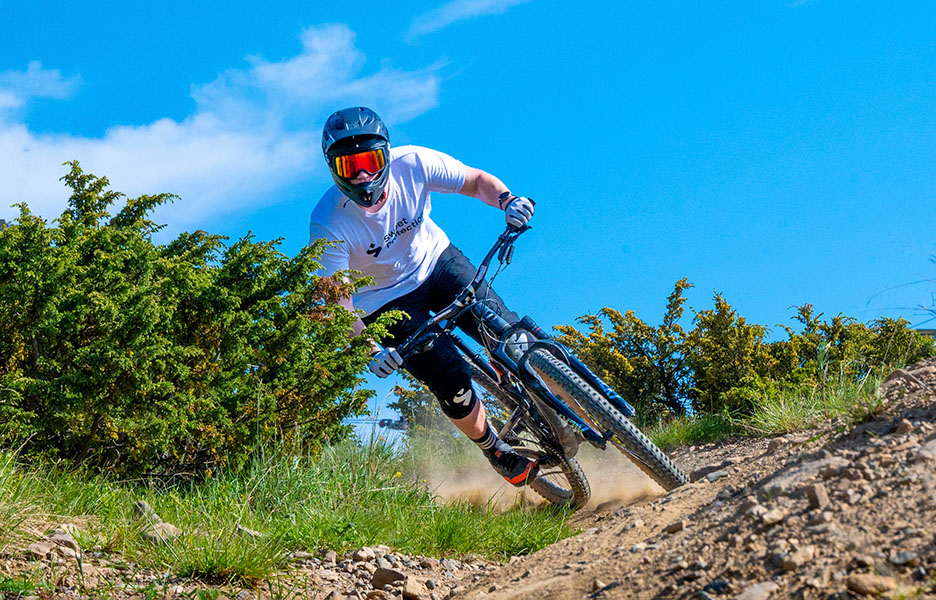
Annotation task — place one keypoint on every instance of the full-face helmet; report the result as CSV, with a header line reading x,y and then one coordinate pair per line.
x,y
355,140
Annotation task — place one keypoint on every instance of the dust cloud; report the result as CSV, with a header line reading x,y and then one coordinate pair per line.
x,y
613,479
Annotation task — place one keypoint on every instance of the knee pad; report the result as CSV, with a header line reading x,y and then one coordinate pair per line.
x,y
460,404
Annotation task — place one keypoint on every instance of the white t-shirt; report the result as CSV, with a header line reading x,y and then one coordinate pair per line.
x,y
398,246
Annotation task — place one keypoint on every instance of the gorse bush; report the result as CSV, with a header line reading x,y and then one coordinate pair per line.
x,y
139,357
725,367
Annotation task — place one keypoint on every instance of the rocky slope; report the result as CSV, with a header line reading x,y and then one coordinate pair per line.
x,y
832,513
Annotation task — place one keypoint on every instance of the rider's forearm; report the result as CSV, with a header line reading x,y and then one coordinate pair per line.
x,y
483,186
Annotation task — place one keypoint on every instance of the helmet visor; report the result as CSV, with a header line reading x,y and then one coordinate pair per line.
x,y
369,161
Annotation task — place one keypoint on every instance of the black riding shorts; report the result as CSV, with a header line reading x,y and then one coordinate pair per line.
x,y
442,368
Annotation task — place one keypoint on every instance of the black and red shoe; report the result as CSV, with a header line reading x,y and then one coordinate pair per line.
x,y
517,469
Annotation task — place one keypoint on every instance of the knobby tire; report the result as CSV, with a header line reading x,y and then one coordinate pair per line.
x,y
565,383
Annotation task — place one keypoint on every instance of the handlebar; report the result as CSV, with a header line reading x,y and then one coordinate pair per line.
x,y
503,247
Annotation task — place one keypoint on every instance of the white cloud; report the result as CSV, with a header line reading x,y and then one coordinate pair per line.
x,y
16,87
456,10
254,130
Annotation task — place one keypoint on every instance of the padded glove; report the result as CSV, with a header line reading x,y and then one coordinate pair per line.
x,y
519,210
385,362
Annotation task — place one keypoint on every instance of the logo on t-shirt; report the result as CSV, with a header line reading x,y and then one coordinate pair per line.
x,y
374,251
402,227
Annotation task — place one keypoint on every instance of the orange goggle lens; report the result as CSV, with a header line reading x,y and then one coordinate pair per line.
x,y
349,166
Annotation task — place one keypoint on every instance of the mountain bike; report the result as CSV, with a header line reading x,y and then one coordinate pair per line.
x,y
548,401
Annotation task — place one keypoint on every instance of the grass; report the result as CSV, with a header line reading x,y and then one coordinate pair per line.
x,y
851,399
696,429
344,498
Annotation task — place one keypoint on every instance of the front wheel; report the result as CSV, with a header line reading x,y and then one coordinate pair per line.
x,y
575,391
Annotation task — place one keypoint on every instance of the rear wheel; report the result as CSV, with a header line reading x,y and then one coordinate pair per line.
x,y
561,480
572,389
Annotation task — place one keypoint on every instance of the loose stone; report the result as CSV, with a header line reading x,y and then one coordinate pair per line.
x,y
869,583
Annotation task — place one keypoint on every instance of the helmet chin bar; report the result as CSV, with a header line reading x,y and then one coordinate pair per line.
x,y
367,198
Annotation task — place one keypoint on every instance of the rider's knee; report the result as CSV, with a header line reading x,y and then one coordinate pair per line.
x,y
460,404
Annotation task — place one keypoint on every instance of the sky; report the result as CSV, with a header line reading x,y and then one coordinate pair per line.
x,y
778,152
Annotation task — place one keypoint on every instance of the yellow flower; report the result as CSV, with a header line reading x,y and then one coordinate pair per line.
x,y
398,474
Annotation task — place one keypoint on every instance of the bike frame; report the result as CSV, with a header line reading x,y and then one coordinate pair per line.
x,y
443,322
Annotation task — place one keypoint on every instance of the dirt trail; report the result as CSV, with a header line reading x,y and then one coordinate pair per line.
x,y
831,513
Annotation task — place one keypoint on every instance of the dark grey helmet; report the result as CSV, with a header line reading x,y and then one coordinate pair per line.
x,y
349,131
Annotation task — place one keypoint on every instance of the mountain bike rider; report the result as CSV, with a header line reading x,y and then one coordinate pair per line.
x,y
378,211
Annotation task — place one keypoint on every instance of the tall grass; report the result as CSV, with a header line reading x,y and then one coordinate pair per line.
x,y
795,407
346,497
854,398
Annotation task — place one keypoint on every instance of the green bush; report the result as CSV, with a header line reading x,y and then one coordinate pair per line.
x,y
646,365
725,366
139,357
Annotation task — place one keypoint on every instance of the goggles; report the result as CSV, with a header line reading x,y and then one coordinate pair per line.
x,y
369,161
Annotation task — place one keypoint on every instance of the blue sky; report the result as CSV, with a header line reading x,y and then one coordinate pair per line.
x,y
779,152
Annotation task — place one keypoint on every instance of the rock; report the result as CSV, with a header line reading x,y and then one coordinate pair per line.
x,y
772,517
365,554
330,558
704,471
904,426
66,552
788,482
634,524
904,558
413,589
869,583
638,547
717,586
377,595
597,584
796,560
384,577
142,510
675,526
817,495
427,562
756,511
927,452
760,591
65,539
716,475
242,531
775,444
162,532
40,549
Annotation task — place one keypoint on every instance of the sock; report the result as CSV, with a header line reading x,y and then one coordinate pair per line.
x,y
488,439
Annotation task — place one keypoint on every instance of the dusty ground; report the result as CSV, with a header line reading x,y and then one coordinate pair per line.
x,y
830,513
837,512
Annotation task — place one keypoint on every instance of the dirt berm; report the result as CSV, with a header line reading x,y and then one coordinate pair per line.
x,y
836,512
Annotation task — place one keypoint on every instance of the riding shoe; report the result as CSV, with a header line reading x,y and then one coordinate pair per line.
x,y
517,469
